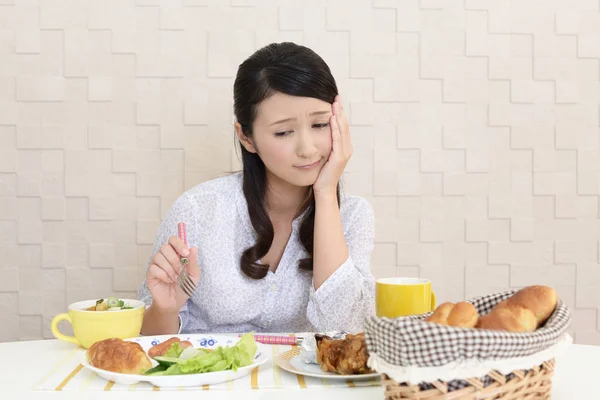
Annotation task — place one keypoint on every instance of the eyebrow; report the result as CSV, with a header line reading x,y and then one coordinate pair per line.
x,y
292,119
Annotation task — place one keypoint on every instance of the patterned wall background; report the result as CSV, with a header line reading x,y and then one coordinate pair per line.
x,y
475,124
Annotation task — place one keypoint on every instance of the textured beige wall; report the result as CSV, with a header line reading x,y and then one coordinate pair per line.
x,y
475,123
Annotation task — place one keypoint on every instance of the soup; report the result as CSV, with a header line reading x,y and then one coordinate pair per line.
x,y
109,304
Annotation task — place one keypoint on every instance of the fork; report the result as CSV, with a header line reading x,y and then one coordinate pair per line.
x,y
184,280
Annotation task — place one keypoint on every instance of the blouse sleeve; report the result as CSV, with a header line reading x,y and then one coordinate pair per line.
x,y
348,296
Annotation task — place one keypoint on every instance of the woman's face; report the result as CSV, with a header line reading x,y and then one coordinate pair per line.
x,y
292,137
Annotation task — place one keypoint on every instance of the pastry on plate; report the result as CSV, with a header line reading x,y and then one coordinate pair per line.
x,y
120,356
347,356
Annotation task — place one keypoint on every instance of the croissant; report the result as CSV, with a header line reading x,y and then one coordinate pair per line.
x,y
117,355
462,314
524,311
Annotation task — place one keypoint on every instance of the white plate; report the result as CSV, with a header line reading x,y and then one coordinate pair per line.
x,y
198,341
291,361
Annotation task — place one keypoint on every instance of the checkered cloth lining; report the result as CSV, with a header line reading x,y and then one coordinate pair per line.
x,y
411,342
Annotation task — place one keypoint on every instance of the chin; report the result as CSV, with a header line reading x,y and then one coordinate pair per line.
x,y
298,178
304,179
303,182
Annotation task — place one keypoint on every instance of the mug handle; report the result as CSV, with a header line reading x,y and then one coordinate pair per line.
x,y
433,301
56,332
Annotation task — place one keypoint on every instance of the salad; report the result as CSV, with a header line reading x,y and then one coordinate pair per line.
x,y
110,304
179,360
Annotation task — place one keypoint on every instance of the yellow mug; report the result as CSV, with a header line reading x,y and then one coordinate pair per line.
x,y
92,326
400,297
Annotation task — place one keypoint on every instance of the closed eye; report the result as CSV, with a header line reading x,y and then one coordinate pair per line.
x,y
321,126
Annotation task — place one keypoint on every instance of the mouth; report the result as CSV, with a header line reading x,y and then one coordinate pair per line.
x,y
309,166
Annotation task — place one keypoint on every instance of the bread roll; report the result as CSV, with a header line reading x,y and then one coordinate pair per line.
x,y
511,319
462,315
541,300
524,311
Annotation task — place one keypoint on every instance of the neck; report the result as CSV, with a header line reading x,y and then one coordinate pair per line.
x,y
284,200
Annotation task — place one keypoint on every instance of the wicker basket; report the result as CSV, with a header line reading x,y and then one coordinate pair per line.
x,y
524,385
408,349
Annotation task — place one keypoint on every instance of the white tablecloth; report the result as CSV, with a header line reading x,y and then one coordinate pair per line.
x,y
25,364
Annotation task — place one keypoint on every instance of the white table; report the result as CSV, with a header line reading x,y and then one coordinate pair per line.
x,y
25,363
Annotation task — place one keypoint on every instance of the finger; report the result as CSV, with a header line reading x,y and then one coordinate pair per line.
x,y
192,267
335,106
335,135
342,117
157,273
166,266
338,100
179,246
338,111
173,258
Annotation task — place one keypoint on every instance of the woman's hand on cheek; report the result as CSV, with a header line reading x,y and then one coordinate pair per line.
x,y
341,150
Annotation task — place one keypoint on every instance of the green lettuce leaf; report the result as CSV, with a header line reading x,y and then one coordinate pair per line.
x,y
174,351
247,349
221,359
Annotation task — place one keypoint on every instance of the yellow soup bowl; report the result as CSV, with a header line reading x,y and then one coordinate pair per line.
x,y
93,326
400,297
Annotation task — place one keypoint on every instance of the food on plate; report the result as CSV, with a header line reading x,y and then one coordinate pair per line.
x,y
524,311
179,360
117,355
461,314
163,348
174,357
347,356
110,304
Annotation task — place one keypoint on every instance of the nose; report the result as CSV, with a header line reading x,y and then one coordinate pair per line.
x,y
306,146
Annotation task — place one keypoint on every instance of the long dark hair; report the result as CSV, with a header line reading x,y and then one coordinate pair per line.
x,y
296,71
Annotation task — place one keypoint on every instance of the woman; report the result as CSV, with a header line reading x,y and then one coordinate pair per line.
x,y
275,248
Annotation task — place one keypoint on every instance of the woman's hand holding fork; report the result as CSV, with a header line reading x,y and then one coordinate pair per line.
x,y
164,271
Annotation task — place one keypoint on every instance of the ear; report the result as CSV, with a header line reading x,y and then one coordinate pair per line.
x,y
244,140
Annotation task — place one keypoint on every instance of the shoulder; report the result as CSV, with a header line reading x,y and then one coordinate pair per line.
x,y
356,209
210,195
216,191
